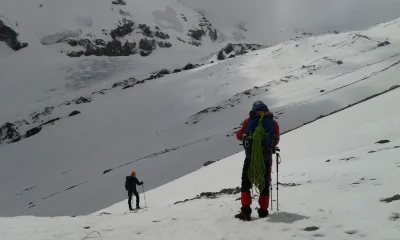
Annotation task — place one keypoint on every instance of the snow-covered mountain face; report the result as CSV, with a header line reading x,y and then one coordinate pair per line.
x,y
64,47
47,31
271,21
93,89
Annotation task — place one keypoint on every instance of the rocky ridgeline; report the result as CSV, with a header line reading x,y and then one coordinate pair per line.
x,y
154,75
152,38
118,2
127,38
204,28
13,132
98,47
9,133
233,50
9,36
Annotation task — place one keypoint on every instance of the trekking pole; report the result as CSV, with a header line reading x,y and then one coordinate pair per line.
x,y
277,178
277,183
144,195
270,182
271,191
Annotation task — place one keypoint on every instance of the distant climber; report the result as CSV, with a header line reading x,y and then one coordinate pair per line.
x,y
130,186
260,136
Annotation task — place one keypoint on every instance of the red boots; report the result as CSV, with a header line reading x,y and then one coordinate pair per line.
x,y
245,213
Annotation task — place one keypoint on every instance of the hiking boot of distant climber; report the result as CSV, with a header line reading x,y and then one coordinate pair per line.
x,y
245,214
262,213
130,205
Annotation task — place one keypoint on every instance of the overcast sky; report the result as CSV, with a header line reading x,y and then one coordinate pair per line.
x,y
272,16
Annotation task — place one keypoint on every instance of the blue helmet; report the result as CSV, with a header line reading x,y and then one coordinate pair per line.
x,y
259,106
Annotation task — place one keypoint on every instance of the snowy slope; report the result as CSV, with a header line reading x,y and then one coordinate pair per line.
x,y
168,127
42,71
336,186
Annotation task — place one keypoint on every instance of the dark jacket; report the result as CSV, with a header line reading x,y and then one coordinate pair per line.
x,y
130,183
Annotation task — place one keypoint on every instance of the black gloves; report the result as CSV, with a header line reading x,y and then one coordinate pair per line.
x,y
243,137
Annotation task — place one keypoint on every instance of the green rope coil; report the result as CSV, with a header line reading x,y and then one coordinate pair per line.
x,y
257,169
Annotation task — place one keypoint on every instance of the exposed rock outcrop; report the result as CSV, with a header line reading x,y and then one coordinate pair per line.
x,y
9,36
9,133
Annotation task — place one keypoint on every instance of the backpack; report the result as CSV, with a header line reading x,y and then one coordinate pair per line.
x,y
260,136
127,183
267,123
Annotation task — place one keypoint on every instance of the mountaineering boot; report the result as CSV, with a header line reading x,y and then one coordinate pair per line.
x,y
264,204
245,214
130,205
262,213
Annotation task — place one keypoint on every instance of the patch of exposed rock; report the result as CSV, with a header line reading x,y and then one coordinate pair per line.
x,y
9,36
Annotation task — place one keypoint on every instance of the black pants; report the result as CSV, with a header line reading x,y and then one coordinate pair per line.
x,y
246,184
130,193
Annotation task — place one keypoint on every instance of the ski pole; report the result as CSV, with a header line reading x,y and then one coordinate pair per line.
x,y
144,195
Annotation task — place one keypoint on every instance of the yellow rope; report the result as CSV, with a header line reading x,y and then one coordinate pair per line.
x,y
257,169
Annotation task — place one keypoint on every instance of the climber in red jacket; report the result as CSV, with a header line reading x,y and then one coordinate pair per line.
x,y
269,144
